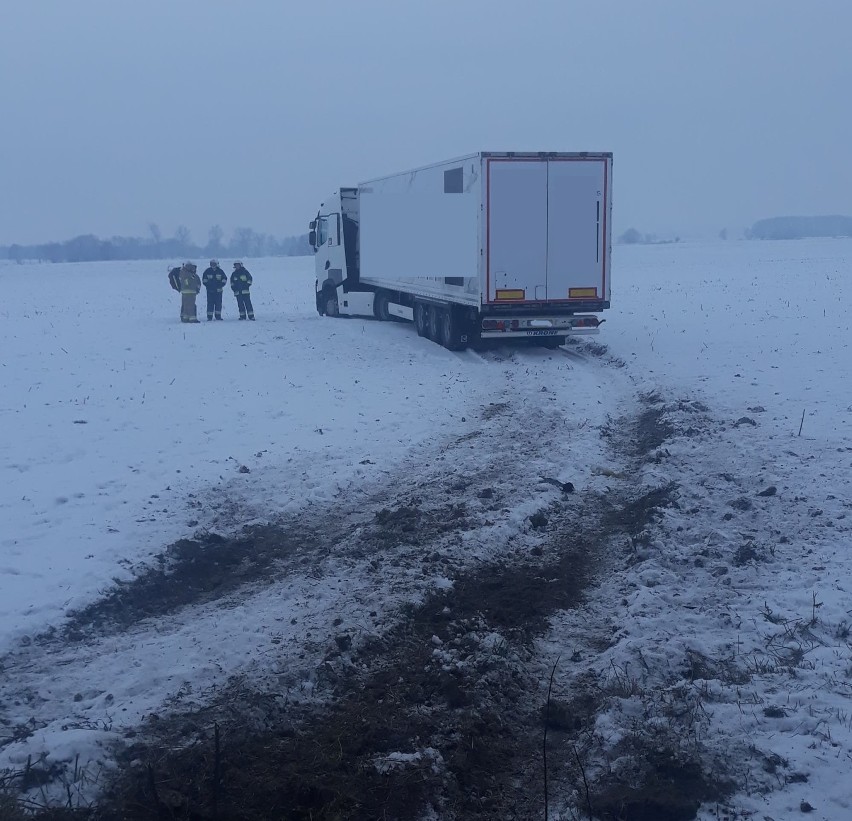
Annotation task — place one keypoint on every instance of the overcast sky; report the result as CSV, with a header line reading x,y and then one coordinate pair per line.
x,y
115,113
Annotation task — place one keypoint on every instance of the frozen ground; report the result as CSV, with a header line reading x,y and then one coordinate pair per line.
x,y
341,470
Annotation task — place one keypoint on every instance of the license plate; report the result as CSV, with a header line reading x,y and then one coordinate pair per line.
x,y
548,332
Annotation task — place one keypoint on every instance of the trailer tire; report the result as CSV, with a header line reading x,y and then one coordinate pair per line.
x,y
421,319
450,331
434,323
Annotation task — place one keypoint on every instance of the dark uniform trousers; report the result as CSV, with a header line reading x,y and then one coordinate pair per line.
x,y
214,303
244,304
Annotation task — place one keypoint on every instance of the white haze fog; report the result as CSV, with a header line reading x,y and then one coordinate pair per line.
x,y
208,112
490,560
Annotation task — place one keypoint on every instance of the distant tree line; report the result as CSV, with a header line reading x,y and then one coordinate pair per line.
x,y
800,227
88,248
633,237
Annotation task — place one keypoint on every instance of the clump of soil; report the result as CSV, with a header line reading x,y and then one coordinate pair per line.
x,y
665,784
192,571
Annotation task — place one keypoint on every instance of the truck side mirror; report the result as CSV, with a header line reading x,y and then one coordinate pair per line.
x,y
312,225
312,238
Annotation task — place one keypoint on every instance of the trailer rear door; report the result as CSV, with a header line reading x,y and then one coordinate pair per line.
x,y
516,228
546,233
576,240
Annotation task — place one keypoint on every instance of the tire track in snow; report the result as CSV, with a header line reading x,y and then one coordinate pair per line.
x,y
440,716
336,574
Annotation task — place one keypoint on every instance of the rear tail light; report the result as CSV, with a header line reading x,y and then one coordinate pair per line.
x,y
586,322
494,325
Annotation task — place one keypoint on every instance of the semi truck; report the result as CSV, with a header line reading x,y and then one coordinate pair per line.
x,y
492,245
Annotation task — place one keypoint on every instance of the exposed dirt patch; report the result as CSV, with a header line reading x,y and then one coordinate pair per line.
x,y
212,567
641,437
445,711
416,524
661,785
633,517
592,348
194,571
494,409
651,429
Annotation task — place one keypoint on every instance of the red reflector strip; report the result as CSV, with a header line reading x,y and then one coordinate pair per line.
x,y
510,293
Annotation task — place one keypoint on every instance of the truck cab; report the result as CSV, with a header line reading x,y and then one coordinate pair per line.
x,y
333,235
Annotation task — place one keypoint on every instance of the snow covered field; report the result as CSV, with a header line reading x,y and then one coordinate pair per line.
x,y
124,431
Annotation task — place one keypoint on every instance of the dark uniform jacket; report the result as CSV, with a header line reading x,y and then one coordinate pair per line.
x,y
240,281
174,278
214,279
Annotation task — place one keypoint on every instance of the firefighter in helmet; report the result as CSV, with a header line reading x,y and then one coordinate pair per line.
x,y
240,284
190,285
214,280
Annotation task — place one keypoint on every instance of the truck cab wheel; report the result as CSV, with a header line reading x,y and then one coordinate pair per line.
x,y
380,307
332,308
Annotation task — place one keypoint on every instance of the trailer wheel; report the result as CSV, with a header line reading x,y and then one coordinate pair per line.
x,y
450,335
433,323
421,319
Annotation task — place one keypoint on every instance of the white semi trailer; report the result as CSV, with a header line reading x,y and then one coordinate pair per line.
x,y
488,246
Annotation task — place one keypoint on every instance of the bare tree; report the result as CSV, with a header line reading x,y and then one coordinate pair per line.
x,y
243,240
214,239
182,235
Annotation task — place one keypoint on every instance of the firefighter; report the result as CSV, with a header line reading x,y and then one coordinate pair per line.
x,y
190,285
240,284
214,280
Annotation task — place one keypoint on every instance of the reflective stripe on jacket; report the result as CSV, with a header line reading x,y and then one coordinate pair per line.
x,y
240,281
190,283
214,279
